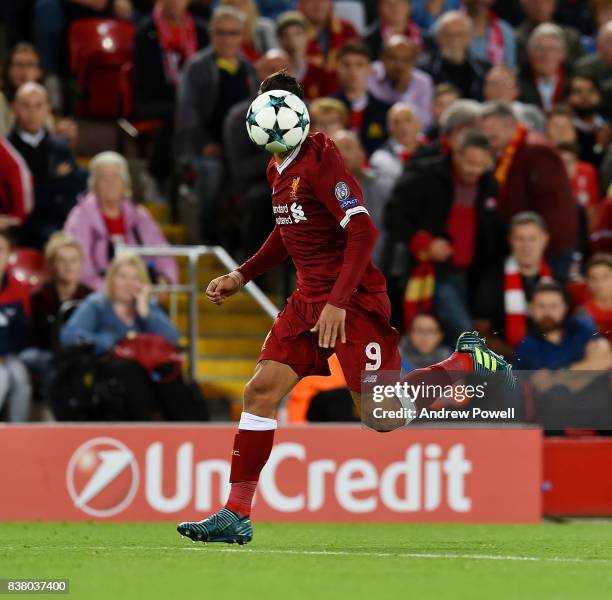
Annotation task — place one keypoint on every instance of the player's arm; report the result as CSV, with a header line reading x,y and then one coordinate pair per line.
x,y
361,237
271,253
335,187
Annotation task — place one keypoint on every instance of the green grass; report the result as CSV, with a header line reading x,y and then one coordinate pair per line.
x,y
109,561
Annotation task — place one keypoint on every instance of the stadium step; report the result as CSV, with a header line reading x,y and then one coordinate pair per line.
x,y
228,323
223,368
242,304
230,347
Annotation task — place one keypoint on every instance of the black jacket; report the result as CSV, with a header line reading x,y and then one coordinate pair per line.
x,y
422,200
153,94
373,132
469,77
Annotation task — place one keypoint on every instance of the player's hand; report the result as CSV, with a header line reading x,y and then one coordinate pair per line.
x,y
330,326
221,288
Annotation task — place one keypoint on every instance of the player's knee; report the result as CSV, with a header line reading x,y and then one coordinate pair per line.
x,y
259,398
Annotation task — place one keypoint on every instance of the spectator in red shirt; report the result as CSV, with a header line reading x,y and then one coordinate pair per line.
x,y
291,29
599,300
327,34
16,187
601,237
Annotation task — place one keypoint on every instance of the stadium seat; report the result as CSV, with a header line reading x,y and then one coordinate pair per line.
x,y
99,49
28,266
132,128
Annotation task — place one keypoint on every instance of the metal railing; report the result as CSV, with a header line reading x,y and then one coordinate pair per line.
x,y
193,254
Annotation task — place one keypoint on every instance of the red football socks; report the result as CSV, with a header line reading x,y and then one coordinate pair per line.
x,y
455,367
252,447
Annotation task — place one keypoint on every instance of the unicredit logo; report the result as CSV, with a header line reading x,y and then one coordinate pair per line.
x,y
102,477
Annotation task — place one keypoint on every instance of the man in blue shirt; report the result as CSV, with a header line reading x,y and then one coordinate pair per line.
x,y
558,341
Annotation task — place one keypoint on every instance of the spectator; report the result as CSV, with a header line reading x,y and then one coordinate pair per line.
x,y
502,295
560,128
260,34
601,236
16,187
538,12
354,156
594,133
291,29
394,78
53,301
543,80
426,12
445,210
388,161
15,389
423,343
558,341
501,85
88,9
213,81
327,33
598,303
532,176
393,19
492,38
274,8
23,66
124,309
367,114
57,177
599,65
452,61
444,95
247,164
459,116
163,43
585,185
328,115
107,216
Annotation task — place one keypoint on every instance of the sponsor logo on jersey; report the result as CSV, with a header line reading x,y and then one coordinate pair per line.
x,y
290,214
349,203
342,191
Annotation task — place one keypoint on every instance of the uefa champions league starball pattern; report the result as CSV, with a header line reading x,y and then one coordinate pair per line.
x,y
277,121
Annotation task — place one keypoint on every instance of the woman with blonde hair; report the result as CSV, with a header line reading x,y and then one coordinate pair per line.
x,y
124,310
260,33
63,291
107,216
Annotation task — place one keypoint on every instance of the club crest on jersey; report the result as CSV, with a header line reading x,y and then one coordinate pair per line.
x,y
295,183
342,191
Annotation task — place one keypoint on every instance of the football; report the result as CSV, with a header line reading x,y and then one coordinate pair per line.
x,y
277,121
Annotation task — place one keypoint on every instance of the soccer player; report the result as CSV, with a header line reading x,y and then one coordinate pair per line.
x,y
340,305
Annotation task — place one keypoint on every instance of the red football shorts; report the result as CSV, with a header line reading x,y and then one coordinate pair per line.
x,y
371,341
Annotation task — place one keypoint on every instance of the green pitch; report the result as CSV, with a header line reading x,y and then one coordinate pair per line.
x,y
312,562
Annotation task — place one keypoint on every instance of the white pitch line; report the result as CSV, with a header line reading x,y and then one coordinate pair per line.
x,y
417,555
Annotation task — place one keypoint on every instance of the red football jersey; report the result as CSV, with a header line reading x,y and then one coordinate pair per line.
x,y
314,196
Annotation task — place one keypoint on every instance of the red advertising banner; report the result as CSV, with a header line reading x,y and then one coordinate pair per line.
x,y
325,473
577,480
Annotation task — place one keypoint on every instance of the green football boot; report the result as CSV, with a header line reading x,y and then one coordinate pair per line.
x,y
224,526
486,362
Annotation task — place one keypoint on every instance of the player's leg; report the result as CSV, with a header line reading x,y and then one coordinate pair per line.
x,y
271,381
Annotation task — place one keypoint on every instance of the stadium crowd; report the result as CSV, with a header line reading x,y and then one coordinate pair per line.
x,y
479,130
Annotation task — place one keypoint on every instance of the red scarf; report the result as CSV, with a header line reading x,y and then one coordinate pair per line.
x,y
515,302
558,93
177,42
419,293
504,164
495,40
412,32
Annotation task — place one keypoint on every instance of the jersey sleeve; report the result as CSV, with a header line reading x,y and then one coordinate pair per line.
x,y
333,184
